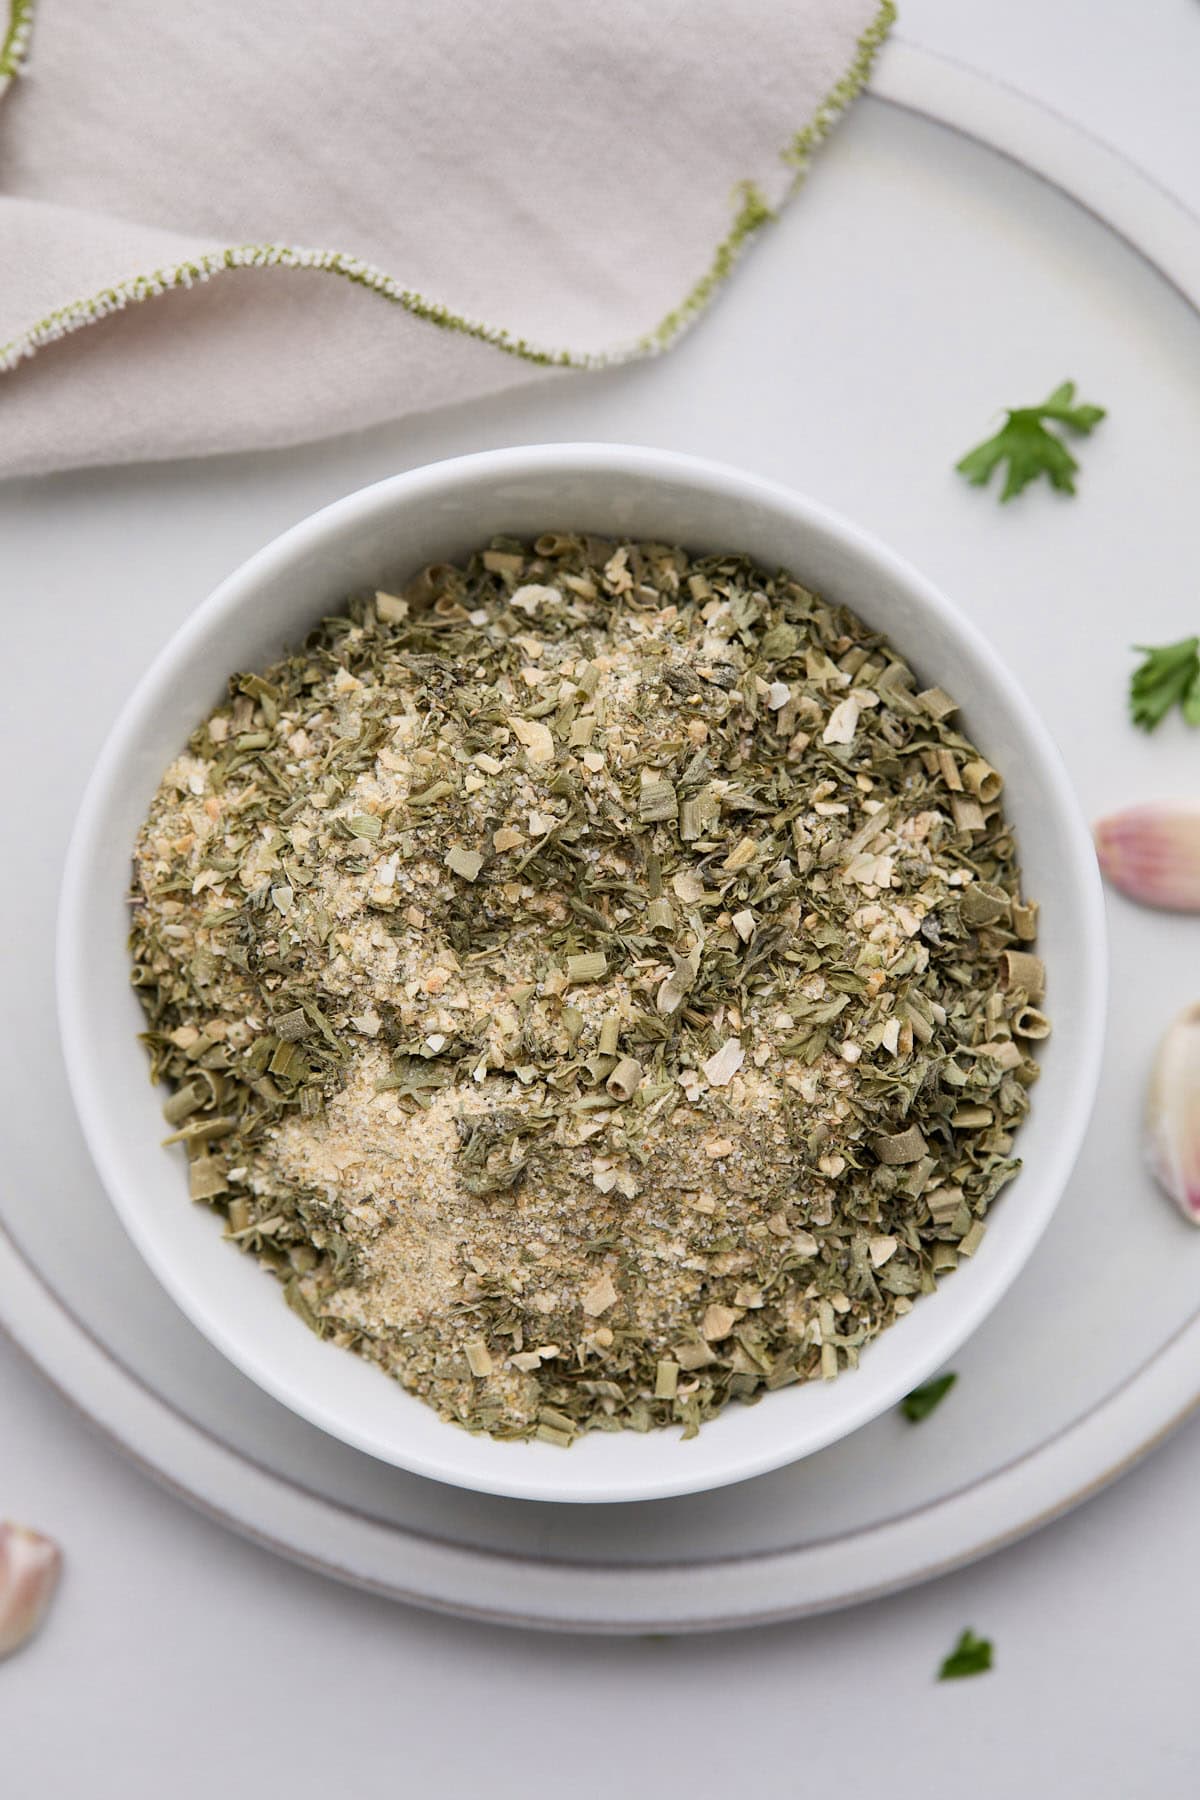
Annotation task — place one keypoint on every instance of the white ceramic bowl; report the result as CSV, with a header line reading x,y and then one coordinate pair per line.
x,y
377,537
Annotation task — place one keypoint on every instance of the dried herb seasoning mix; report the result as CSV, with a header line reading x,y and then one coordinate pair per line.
x,y
595,982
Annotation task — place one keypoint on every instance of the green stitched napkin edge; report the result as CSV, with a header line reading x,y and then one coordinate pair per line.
x,y
752,214
16,40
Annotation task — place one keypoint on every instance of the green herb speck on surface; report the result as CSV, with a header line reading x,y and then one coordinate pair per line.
x,y
1169,676
1028,446
970,1656
921,1402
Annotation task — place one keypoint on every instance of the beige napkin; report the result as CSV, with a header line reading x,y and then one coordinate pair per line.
x,y
239,223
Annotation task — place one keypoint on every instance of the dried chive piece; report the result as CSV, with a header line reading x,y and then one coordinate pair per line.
x,y
286,1059
1025,921
588,966
625,1079
971,1241
948,766
907,1146
551,1434
666,1380
657,799
1020,969
983,903
238,1215
183,1102
982,780
944,1204
967,814
937,703
709,914
293,1025
698,814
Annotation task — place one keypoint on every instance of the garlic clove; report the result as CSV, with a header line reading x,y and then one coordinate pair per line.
x,y
1172,1133
1152,853
29,1566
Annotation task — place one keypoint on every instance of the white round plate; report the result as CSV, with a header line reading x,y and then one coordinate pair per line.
x,y
921,282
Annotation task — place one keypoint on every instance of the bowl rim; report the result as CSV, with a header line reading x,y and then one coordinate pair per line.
x,y
647,464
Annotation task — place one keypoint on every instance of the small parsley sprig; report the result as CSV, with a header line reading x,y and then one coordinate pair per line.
x,y
970,1656
920,1403
1030,448
1170,676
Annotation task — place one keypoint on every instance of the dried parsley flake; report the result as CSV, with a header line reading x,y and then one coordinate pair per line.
x,y
594,980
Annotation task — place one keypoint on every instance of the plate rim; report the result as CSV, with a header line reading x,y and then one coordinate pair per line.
x,y
1100,1444
469,1582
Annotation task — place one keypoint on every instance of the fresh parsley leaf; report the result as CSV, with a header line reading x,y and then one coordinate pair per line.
x,y
970,1656
1029,448
1170,676
920,1403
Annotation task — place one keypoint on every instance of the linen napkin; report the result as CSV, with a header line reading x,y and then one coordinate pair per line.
x,y
227,226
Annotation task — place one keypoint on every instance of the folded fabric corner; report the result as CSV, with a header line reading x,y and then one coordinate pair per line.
x,y
375,214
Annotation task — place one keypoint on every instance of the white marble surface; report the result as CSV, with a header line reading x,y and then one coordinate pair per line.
x,y
162,1667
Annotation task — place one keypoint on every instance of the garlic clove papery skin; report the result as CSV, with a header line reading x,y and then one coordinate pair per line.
x,y
1152,853
1172,1137
29,1569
